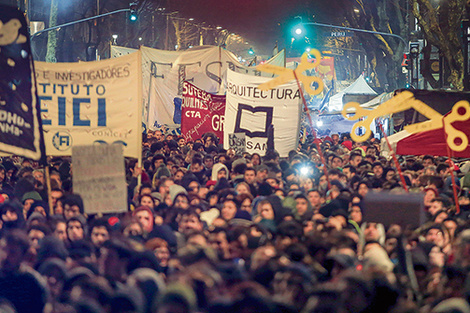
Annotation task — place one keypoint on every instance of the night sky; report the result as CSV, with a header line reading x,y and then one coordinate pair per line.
x,y
261,22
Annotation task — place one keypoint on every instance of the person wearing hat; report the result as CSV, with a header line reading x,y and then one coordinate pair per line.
x,y
261,173
28,199
273,180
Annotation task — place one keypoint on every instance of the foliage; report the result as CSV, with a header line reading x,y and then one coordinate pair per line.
x,y
440,25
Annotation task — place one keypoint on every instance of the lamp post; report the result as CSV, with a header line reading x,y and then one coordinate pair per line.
x,y
77,22
299,30
359,30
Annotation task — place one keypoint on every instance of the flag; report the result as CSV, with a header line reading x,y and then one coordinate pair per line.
x,y
20,123
326,100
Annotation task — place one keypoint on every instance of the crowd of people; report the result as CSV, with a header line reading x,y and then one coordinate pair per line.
x,y
210,231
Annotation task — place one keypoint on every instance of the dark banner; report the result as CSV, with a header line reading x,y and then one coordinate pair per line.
x,y
20,125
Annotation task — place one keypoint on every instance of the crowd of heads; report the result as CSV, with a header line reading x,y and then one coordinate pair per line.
x,y
209,230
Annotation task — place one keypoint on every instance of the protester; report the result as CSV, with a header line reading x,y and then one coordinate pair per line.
x,y
209,230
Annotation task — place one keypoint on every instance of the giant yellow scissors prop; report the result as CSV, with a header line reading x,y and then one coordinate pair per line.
x,y
287,75
456,140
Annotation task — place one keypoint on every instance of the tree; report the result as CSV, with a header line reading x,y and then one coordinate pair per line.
x,y
440,25
384,53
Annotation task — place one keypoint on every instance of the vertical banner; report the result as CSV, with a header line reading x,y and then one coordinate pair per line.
x,y
20,124
260,113
92,103
99,178
202,112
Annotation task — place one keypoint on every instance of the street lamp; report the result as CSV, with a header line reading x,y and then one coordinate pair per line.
x,y
115,37
77,22
351,29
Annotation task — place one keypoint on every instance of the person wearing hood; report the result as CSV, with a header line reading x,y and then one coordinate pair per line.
x,y
303,208
11,214
19,286
219,171
271,212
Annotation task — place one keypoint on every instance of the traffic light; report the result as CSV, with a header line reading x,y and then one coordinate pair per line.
x,y
407,63
414,48
251,51
133,11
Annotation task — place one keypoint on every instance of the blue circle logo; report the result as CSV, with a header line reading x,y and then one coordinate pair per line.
x,y
62,140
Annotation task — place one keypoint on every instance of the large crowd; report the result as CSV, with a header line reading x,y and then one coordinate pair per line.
x,y
207,230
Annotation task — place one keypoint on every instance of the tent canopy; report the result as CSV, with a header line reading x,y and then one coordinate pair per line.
x,y
433,142
360,86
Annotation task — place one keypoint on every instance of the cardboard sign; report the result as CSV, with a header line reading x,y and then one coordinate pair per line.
x,y
99,177
237,142
387,208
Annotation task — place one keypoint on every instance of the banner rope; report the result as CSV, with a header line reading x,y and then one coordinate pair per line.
x,y
451,165
394,156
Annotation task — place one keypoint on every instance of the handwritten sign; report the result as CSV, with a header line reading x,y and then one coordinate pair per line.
x,y
237,142
202,112
99,177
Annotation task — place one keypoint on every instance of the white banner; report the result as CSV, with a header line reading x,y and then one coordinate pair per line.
x,y
165,71
99,178
252,111
90,103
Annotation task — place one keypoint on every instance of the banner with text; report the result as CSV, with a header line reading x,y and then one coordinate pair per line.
x,y
256,113
90,103
20,124
202,112
99,178
164,73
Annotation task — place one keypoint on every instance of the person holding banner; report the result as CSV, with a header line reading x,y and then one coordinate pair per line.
x,y
295,238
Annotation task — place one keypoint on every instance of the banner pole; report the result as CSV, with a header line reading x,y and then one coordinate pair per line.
x,y
451,166
322,157
394,156
140,110
49,189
